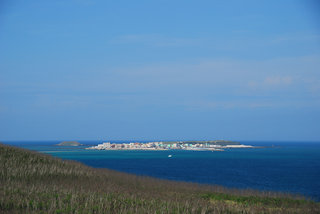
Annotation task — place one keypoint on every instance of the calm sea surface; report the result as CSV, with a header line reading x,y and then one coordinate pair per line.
x,y
287,167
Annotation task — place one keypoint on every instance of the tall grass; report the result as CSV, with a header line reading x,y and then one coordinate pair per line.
x,y
36,183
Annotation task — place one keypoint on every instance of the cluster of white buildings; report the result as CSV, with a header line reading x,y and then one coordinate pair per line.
x,y
128,146
164,146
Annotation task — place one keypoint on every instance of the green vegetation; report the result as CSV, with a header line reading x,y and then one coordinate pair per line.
x,y
36,183
69,143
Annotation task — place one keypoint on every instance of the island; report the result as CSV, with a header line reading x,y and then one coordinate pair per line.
x,y
213,145
69,143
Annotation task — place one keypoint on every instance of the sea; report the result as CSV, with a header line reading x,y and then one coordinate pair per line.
x,y
288,167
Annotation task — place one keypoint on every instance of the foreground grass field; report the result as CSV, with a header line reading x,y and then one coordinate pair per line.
x,y
35,183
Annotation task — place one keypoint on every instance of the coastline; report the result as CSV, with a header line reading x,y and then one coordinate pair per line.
x,y
44,184
232,168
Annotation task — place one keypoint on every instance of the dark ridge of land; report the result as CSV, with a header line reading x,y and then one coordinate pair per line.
x,y
31,182
69,143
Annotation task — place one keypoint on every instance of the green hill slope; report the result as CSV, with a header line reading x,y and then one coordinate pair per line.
x,y
35,183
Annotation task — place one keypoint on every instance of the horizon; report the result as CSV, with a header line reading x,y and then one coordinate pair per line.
x,y
160,70
158,140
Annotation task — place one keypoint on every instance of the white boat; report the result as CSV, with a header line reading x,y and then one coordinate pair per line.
x,y
169,156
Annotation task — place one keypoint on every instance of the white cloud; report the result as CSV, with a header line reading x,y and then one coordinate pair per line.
x,y
157,40
229,104
232,42
296,38
211,83
272,82
278,80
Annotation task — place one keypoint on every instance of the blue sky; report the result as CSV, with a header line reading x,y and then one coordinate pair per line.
x,y
160,70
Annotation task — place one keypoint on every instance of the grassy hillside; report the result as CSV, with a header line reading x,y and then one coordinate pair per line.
x,y
35,183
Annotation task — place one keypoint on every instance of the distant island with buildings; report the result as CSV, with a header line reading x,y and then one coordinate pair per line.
x,y
214,145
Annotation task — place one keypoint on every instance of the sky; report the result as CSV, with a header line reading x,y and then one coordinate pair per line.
x,y
160,70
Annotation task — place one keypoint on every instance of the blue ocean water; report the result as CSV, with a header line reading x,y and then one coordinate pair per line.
x,y
286,167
